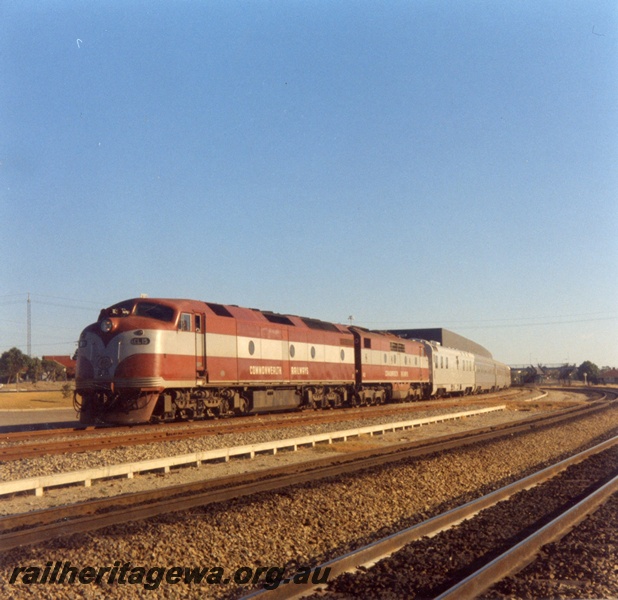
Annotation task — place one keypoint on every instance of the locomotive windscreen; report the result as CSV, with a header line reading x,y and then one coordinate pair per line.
x,y
155,311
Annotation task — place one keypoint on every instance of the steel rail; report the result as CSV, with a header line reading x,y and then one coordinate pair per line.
x,y
410,449
143,433
523,553
94,443
58,522
387,546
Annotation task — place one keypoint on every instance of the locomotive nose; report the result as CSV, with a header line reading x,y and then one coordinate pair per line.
x,y
104,362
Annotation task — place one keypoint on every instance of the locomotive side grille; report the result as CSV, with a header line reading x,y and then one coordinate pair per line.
x,y
137,382
140,382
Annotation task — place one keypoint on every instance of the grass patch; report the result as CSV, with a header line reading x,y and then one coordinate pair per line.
x,y
23,400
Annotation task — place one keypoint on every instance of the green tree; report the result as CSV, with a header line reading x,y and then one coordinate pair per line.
x,y
35,369
12,363
588,371
53,371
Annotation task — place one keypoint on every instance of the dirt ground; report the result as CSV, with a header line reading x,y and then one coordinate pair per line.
x,y
26,396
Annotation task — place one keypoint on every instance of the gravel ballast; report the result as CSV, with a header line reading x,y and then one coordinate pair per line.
x,y
428,567
306,524
53,464
583,564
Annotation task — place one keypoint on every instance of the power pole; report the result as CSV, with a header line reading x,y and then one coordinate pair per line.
x,y
29,327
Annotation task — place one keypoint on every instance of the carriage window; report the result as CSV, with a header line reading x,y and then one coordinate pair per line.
x,y
184,323
198,323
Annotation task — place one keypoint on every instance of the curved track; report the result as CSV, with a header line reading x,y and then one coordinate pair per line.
x,y
20,445
43,525
444,559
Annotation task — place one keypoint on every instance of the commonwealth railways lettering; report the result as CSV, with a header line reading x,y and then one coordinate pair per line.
x,y
265,370
299,370
161,359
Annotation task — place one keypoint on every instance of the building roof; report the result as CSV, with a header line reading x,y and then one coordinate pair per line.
x,y
445,337
66,361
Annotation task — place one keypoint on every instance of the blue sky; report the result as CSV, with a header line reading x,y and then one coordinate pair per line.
x,y
417,163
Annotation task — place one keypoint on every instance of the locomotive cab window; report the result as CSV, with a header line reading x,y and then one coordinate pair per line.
x,y
184,323
155,311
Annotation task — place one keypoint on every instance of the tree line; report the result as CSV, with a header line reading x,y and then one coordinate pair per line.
x,y
16,366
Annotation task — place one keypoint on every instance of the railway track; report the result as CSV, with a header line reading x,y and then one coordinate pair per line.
x,y
502,533
43,525
19,445
563,568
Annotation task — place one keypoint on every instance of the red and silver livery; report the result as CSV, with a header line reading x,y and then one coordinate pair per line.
x,y
162,359
152,360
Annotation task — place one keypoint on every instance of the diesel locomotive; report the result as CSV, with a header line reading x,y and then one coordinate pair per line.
x,y
156,360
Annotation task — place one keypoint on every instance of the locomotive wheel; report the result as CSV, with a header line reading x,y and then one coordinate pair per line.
x,y
224,408
243,409
311,405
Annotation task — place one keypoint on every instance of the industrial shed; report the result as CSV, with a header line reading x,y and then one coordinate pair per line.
x,y
445,337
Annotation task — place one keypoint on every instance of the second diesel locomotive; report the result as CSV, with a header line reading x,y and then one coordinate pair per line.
x,y
154,360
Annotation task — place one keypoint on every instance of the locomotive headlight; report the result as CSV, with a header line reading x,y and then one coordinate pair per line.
x,y
106,325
